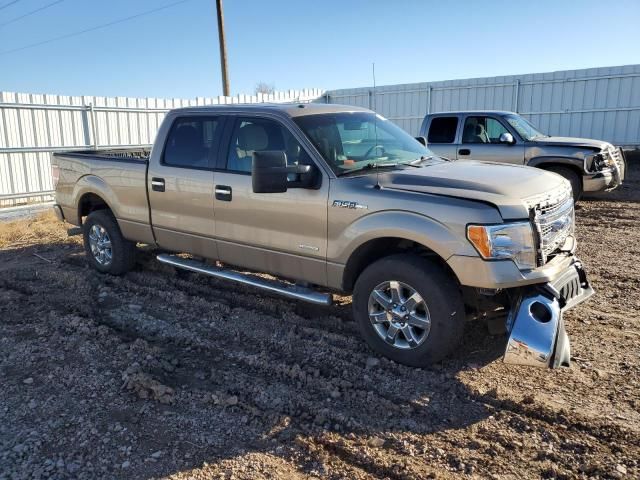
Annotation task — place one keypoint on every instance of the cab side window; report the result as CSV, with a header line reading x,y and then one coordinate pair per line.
x,y
443,130
482,130
192,142
257,134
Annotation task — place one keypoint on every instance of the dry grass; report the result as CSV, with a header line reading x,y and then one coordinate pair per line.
x,y
43,228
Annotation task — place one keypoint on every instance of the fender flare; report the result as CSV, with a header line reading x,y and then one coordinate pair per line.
x,y
575,163
414,227
96,186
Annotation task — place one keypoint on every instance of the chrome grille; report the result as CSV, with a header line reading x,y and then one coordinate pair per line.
x,y
616,156
555,227
554,219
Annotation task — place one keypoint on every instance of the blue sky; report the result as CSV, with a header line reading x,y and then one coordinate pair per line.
x,y
304,44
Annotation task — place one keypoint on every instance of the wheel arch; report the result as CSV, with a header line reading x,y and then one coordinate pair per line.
x,y
575,164
93,193
381,247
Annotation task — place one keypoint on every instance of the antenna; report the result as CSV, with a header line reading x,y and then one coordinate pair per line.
x,y
375,121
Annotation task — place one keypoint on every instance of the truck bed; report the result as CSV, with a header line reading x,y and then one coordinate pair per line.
x,y
121,177
136,154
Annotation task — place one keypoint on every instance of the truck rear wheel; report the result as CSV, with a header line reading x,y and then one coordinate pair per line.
x,y
409,309
573,177
107,250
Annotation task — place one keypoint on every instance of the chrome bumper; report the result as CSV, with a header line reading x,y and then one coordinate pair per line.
x,y
537,336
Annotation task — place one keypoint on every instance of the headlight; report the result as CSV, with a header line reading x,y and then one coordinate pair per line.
x,y
508,241
598,161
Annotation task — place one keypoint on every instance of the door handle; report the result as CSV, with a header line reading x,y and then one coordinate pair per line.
x,y
223,192
157,184
464,151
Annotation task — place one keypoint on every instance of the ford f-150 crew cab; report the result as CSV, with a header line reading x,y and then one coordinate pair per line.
x,y
331,198
506,137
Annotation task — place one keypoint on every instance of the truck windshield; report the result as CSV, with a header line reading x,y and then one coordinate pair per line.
x,y
353,141
523,127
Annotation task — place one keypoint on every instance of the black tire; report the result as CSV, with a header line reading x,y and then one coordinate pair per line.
x,y
572,176
440,293
123,252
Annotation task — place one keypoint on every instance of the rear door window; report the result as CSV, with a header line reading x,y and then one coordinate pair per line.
x,y
443,130
192,142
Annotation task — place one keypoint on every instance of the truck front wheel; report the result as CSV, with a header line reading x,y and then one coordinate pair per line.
x,y
107,250
409,309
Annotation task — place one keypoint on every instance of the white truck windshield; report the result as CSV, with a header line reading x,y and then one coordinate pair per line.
x,y
523,127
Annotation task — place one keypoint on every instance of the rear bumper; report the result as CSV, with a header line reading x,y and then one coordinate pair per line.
x,y
537,335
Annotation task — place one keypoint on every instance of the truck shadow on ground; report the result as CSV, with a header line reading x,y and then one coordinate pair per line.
x,y
202,371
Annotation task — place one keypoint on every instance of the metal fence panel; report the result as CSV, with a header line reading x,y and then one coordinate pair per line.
x,y
32,126
602,103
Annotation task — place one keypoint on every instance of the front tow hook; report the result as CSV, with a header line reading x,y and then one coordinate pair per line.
x,y
537,336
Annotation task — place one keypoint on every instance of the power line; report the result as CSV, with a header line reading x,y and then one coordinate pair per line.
x,y
31,12
8,4
92,29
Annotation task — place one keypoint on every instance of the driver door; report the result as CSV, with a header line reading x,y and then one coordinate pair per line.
x,y
280,233
481,141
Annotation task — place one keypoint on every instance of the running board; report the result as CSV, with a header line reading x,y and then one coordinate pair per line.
x,y
290,291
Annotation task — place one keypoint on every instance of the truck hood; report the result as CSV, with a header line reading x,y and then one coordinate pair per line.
x,y
595,145
507,187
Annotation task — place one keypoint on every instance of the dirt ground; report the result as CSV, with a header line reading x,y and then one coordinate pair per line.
x,y
169,374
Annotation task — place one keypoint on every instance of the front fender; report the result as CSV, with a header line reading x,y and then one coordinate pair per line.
x,y
557,160
421,229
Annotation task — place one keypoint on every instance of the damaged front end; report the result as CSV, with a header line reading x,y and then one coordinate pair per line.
x,y
537,336
606,168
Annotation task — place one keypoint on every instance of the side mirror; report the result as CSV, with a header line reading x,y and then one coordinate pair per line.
x,y
507,138
422,140
269,171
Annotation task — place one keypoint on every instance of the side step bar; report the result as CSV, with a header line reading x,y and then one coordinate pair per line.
x,y
290,291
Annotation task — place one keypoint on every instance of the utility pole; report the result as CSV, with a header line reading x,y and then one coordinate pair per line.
x,y
223,50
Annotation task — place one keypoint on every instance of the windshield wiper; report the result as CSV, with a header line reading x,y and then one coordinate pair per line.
x,y
371,166
418,161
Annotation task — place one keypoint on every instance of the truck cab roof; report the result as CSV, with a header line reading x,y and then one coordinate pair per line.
x,y
288,109
473,112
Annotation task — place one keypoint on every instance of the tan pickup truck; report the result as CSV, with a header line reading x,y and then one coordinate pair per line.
x,y
332,198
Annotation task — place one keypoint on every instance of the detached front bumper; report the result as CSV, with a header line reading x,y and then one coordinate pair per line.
x,y
537,336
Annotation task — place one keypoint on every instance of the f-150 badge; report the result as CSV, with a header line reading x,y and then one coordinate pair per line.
x,y
348,204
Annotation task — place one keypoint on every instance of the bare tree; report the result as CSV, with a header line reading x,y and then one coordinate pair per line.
x,y
265,88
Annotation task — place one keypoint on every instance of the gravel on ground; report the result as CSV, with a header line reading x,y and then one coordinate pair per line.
x,y
161,373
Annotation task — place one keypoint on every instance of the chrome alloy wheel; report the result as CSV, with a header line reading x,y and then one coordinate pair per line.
x,y
100,244
399,314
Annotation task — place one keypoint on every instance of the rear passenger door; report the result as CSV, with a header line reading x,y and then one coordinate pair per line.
x,y
280,233
181,185
441,136
481,141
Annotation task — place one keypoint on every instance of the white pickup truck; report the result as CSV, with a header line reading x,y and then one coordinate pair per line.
x,y
506,137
